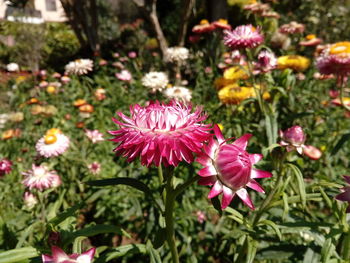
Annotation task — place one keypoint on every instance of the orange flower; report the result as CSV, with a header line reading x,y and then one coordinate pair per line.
x,y
11,133
86,108
79,102
33,101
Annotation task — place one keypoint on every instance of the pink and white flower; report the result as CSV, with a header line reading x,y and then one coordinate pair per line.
x,y
161,133
94,167
267,61
292,28
124,75
229,169
345,195
79,67
5,166
94,135
245,36
59,256
52,144
39,177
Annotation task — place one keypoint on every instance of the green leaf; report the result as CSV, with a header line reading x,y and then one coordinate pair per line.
x,y
327,250
18,254
340,143
124,181
153,253
77,244
96,230
301,184
122,251
69,212
273,226
252,248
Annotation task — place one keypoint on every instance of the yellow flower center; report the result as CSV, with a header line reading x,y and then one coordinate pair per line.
x,y
53,131
50,138
340,47
204,22
310,37
222,21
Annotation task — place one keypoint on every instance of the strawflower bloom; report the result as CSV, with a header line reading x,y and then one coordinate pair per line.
x,y
201,216
53,143
59,256
292,28
229,169
79,67
124,75
335,59
161,133
100,94
155,81
203,27
295,62
94,135
94,167
178,93
234,94
245,36
5,166
221,24
29,200
293,138
39,177
310,40
345,195
257,8
12,67
266,62
177,54
236,73
312,152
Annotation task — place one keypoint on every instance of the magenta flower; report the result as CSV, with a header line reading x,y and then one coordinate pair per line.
x,y
229,169
245,36
333,64
39,177
59,256
94,135
161,133
5,166
132,54
345,195
294,138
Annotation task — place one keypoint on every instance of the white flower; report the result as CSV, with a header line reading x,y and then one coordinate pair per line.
x,y
39,177
177,54
3,119
79,67
12,67
94,135
178,93
155,81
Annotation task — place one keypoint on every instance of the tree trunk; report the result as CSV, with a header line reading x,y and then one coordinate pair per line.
x,y
188,6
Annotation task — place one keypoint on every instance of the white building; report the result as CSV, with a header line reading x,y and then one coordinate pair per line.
x,y
43,11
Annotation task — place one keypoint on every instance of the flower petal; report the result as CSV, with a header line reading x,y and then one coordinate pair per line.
x,y
255,173
243,194
215,190
242,142
256,186
255,158
218,134
207,171
227,197
207,180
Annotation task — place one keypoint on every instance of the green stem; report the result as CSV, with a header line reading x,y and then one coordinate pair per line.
x,y
182,187
169,220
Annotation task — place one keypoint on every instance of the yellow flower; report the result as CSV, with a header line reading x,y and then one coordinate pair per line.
x,y
236,73
151,43
233,94
298,63
221,82
51,89
20,79
53,131
240,2
340,48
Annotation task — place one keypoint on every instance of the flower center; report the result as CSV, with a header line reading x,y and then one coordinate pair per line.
x,y
341,47
50,139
